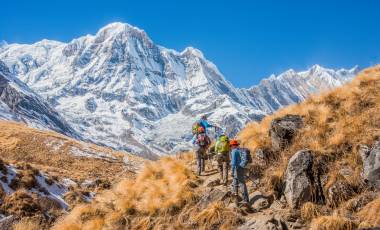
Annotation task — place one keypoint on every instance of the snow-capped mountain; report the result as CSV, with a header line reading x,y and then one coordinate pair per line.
x,y
19,103
117,88
293,87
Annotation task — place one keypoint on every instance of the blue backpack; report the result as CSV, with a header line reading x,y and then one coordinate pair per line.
x,y
246,153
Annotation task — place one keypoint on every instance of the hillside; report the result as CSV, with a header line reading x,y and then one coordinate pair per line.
x,y
120,76
44,173
315,166
339,131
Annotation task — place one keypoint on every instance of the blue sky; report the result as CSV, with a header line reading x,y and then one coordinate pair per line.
x,y
247,40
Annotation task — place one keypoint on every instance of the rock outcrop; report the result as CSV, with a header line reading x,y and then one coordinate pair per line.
x,y
265,222
371,163
283,130
299,182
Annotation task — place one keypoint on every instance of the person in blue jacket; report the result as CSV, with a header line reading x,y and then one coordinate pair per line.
x,y
205,124
239,161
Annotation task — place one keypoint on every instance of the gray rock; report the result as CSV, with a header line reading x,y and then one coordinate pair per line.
x,y
264,222
298,181
212,196
371,163
283,130
7,222
259,201
213,183
339,192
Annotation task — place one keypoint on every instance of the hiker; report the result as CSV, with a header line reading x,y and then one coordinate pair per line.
x,y
202,141
222,150
202,123
239,160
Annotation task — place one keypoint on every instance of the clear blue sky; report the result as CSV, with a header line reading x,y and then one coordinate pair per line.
x,y
247,40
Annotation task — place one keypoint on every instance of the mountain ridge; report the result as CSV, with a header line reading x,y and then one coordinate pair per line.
x,y
119,89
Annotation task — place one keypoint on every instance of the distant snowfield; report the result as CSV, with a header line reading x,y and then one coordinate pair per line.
x,y
119,89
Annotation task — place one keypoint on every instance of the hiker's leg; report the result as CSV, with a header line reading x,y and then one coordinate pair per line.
x,y
199,167
242,185
235,189
203,159
225,172
220,168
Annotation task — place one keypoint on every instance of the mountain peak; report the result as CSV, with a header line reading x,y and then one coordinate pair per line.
x,y
193,51
119,27
122,30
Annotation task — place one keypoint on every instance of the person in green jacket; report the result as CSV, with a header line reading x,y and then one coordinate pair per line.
x,y
222,149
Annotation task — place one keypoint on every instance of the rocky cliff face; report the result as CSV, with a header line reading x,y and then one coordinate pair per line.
x,y
19,103
117,88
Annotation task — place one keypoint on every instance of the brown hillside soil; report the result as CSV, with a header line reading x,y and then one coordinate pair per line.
x,y
165,195
54,153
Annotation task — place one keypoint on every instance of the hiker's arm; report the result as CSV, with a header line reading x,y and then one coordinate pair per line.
x,y
233,162
206,124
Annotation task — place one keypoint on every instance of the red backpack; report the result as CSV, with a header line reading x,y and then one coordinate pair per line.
x,y
203,140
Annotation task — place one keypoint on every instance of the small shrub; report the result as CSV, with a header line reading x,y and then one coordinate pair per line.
x,y
309,211
332,223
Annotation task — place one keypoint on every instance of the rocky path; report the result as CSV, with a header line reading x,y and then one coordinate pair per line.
x,y
264,212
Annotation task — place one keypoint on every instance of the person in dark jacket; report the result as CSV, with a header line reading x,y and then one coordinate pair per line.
x,y
202,142
239,161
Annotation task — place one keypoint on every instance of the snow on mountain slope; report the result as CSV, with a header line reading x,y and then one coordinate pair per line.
x,y
117,88
291,87
19,103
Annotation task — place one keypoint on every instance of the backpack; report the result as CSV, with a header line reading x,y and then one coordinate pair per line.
x,y
195,127
247,154
222,145
203,140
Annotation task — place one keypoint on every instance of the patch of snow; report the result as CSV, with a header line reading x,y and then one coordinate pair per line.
x,y
56,191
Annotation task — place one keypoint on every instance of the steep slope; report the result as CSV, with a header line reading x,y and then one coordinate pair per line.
x,y
19,103
44,174
322,156
117,88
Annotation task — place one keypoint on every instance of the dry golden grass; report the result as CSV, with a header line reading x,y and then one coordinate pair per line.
x,y
27,224
332,223
216,215
159,192
309,211
335,123
51,152
370,214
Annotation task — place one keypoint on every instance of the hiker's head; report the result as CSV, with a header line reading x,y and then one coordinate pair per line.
x,y
234,143
204,117
201,129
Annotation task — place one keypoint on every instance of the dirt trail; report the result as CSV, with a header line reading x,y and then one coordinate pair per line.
x,y
263,208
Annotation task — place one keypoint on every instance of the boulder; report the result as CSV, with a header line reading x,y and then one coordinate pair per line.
x,y
259,201
264,222
371,163
214,195
283,130
299,179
